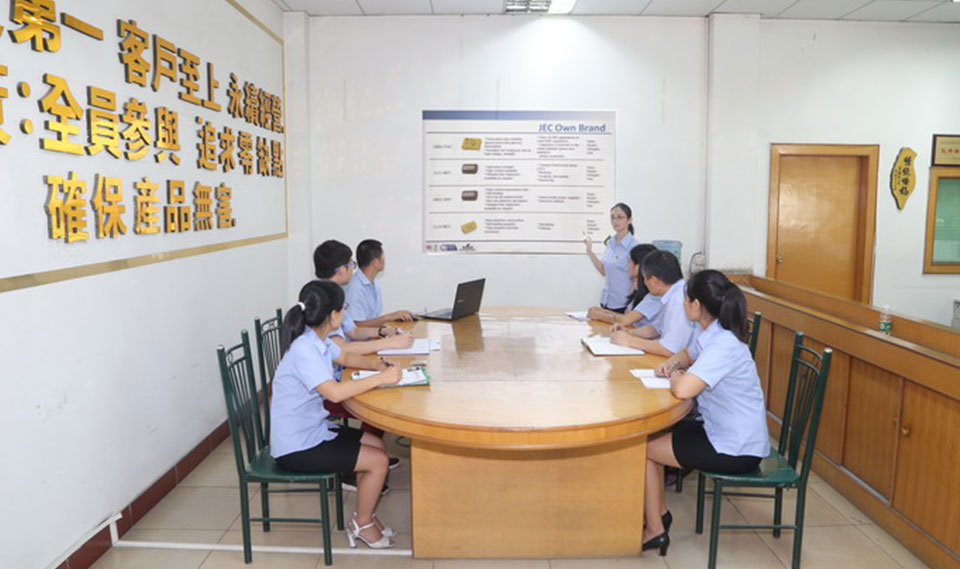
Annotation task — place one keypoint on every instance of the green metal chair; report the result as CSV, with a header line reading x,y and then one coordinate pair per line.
x,y
753,331
256,464
801,416
268,358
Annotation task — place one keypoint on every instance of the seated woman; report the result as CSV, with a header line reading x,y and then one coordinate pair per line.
x,y
718,370
642,307
302,438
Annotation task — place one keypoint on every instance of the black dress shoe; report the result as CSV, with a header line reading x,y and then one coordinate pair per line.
x,y
661,542
667,521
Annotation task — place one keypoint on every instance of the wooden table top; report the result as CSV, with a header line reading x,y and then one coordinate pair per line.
x,y
520,378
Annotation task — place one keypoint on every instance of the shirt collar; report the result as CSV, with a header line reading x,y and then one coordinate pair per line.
x,y
674,289
315,340
627,241
363,278
707,334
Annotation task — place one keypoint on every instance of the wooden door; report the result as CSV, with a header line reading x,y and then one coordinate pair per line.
x,y
822,209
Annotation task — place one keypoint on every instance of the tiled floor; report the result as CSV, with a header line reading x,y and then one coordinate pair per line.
x,y
205,509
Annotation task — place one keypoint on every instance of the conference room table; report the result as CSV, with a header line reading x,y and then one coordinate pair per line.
x,y
524,444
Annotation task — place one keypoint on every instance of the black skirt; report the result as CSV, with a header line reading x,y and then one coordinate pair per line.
x,y
337,455
694,450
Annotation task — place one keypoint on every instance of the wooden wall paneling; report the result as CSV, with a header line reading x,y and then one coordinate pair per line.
x,y
928,479
762,356
780,352
834,415
873,412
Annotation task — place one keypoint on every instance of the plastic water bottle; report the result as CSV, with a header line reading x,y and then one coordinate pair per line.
x,y
886,322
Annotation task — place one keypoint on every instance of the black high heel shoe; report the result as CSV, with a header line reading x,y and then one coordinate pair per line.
x,y
667,521
661,542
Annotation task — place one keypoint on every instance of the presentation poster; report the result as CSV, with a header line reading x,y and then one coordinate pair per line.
x,y
517,181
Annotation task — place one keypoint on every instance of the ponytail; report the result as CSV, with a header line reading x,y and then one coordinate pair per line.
x,y
722,299
318,299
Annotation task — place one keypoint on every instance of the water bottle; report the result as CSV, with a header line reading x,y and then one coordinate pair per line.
x,y
886,322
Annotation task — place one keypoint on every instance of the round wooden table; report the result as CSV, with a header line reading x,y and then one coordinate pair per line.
x,y
524,444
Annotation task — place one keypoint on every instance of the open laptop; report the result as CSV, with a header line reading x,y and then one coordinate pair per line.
x,y
467,302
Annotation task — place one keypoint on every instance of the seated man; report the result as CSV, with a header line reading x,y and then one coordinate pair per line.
x,y
670,332
364,297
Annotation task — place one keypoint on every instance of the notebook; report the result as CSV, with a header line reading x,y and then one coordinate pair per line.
x,y
420,347
650,379
602,346
580,315
411,376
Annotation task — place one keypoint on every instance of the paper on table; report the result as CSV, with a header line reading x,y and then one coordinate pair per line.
x,y
650,379
434,344
421,346
579,315
602,346
411,376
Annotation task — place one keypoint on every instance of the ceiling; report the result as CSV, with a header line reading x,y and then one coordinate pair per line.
x,y
850,10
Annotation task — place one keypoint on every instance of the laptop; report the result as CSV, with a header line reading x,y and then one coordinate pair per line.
x,y
466,302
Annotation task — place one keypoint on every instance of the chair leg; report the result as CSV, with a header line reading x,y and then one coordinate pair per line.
x,y
701,496
265,505
338,491
245,522
798,531
777,510
715,524
325,516
679,485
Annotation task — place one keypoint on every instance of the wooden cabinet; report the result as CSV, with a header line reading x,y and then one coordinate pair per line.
x,y
873,410
830,437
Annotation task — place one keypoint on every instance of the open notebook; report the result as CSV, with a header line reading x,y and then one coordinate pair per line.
x,y
602,346
411,376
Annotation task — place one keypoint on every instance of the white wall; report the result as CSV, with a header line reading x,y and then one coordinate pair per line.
x,y
110,379
370,78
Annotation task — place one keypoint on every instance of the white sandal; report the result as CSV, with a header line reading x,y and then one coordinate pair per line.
x,y
353,534
387,531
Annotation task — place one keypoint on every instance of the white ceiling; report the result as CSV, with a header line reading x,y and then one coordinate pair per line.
x,y
872,10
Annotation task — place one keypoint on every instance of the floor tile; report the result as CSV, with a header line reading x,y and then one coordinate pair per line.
x,y
136,558
491,564
648,561
832,548
194,508
226,447
839,503
174,535
736,550
817,513
892,547
219,469
234,560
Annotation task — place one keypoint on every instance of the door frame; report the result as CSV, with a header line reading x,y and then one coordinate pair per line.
x,y
869,155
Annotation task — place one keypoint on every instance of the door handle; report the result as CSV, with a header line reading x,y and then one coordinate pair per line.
x,y
779,258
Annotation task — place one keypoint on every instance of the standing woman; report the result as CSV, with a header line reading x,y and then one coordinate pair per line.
x,y
302,437
614,265
718,370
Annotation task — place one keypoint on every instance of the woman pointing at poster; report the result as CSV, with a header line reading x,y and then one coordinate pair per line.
x,y
614,265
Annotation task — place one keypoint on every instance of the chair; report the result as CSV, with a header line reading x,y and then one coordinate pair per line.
x,y
256,465
801,415
268,358
753,332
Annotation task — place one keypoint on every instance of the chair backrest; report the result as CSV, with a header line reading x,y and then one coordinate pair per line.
x,y
753,330
268,358
801,413
243,405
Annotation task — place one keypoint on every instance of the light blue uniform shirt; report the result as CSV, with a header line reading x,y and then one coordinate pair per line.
x,y
364,297
676,332
616,266
731,406
298,420
651,307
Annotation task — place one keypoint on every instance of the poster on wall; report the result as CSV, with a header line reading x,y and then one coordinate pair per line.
x,y
516,181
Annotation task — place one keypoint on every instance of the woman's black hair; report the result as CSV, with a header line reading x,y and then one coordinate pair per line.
x,y
721,298
629,212
318,300
636,255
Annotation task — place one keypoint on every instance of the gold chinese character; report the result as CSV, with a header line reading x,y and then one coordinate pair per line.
x,y
176,215
103,124
202,215
266,110
224,211
212,84
137,134
164,61
251,103
168,134
277,114
4,137
67,215
226,145
132,45
39,21
66,110
145,203
263,157
189,75
276,159
206,146
108,206
245,144
235,96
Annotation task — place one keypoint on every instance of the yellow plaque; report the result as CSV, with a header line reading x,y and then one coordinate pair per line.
x,y
471,143
903,177
468,227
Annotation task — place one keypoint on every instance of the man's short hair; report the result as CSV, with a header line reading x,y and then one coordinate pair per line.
x,y
663,265
368,251
329,256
